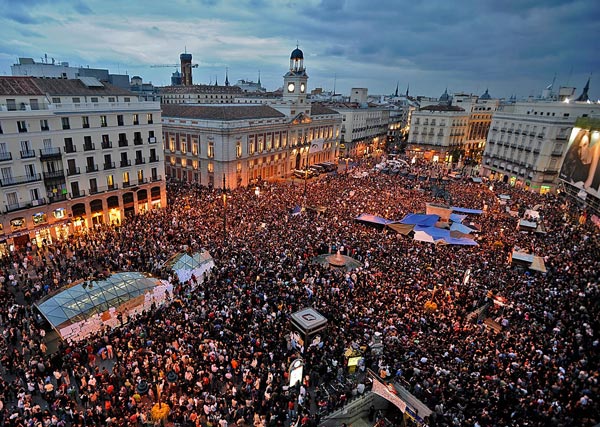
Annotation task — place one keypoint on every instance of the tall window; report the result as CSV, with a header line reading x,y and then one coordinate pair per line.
x,y
22,126
34,194
211,167
136,119
211,150
110,181
44,125
120,120
85,122
149,118
65,123
238,149
103,121
12,199
125,177
30,171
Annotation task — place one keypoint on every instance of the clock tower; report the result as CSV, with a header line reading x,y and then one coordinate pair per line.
x,y
294,82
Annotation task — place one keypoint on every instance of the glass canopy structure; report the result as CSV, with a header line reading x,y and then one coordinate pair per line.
x,y
184,265
87,298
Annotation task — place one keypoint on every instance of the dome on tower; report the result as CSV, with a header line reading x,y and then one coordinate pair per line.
x,y
297,54
486,95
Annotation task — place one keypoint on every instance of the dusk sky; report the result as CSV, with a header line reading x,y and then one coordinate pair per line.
x,y
510,47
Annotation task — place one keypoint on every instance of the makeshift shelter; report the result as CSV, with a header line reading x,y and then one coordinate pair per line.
x,y
457,217
404,229
440,235
467,210
185,265
525,225
88,305
462,228
373,220
444,212
420,219
422,236
528,260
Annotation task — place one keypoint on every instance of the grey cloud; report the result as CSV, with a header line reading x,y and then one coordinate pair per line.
x,y
83,8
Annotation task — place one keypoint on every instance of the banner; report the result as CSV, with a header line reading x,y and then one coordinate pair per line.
x,y
383,390
581,167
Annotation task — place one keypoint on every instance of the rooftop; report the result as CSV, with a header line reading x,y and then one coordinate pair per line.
x,y
50,86
442,108
220,111
200,89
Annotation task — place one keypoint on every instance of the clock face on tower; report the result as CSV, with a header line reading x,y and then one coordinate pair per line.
x,y
302,87
291,87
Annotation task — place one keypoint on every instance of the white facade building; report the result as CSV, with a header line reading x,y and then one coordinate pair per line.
x,y
437,132
73,153
528,140
248,142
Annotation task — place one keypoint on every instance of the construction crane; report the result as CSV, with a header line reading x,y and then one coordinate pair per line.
x,y
170,65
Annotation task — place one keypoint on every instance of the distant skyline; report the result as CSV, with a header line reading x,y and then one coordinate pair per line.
x,y
511,47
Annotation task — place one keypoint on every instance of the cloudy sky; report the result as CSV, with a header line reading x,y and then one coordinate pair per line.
x,y
508,46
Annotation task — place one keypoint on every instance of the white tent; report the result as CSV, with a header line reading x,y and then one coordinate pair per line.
x,y
422,236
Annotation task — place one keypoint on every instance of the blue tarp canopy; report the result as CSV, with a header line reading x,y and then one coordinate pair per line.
x,y
420,219
372,219
457,217
466,210
462,228
444,235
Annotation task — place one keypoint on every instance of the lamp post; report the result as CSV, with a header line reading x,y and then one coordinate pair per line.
x,y
308,146
224,212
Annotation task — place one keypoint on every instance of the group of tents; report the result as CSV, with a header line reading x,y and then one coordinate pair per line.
x,y
440,225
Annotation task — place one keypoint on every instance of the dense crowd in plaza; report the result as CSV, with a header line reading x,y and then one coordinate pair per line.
x,y
227,341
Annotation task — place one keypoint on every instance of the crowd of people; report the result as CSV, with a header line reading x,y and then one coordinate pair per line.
x,y
220,355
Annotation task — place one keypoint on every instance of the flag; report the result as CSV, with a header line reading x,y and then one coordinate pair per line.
x,y
583,218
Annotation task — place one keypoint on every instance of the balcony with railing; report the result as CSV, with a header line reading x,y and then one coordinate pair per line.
x,y
50,153
154,159
155,178
109,165
70,149
57,198
91,168
89,146
27,154
73,171
5,156
106,144
123,143
138,141
16,180
142,181
77,194
562,136
20,206
556,153
125,163
127,184
54,174
140,160
152,140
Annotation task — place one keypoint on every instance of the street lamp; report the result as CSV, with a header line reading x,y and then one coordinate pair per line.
x,y
306,165
224,212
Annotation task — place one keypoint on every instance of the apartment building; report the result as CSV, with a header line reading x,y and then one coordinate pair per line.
x,y
527,142
73,153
